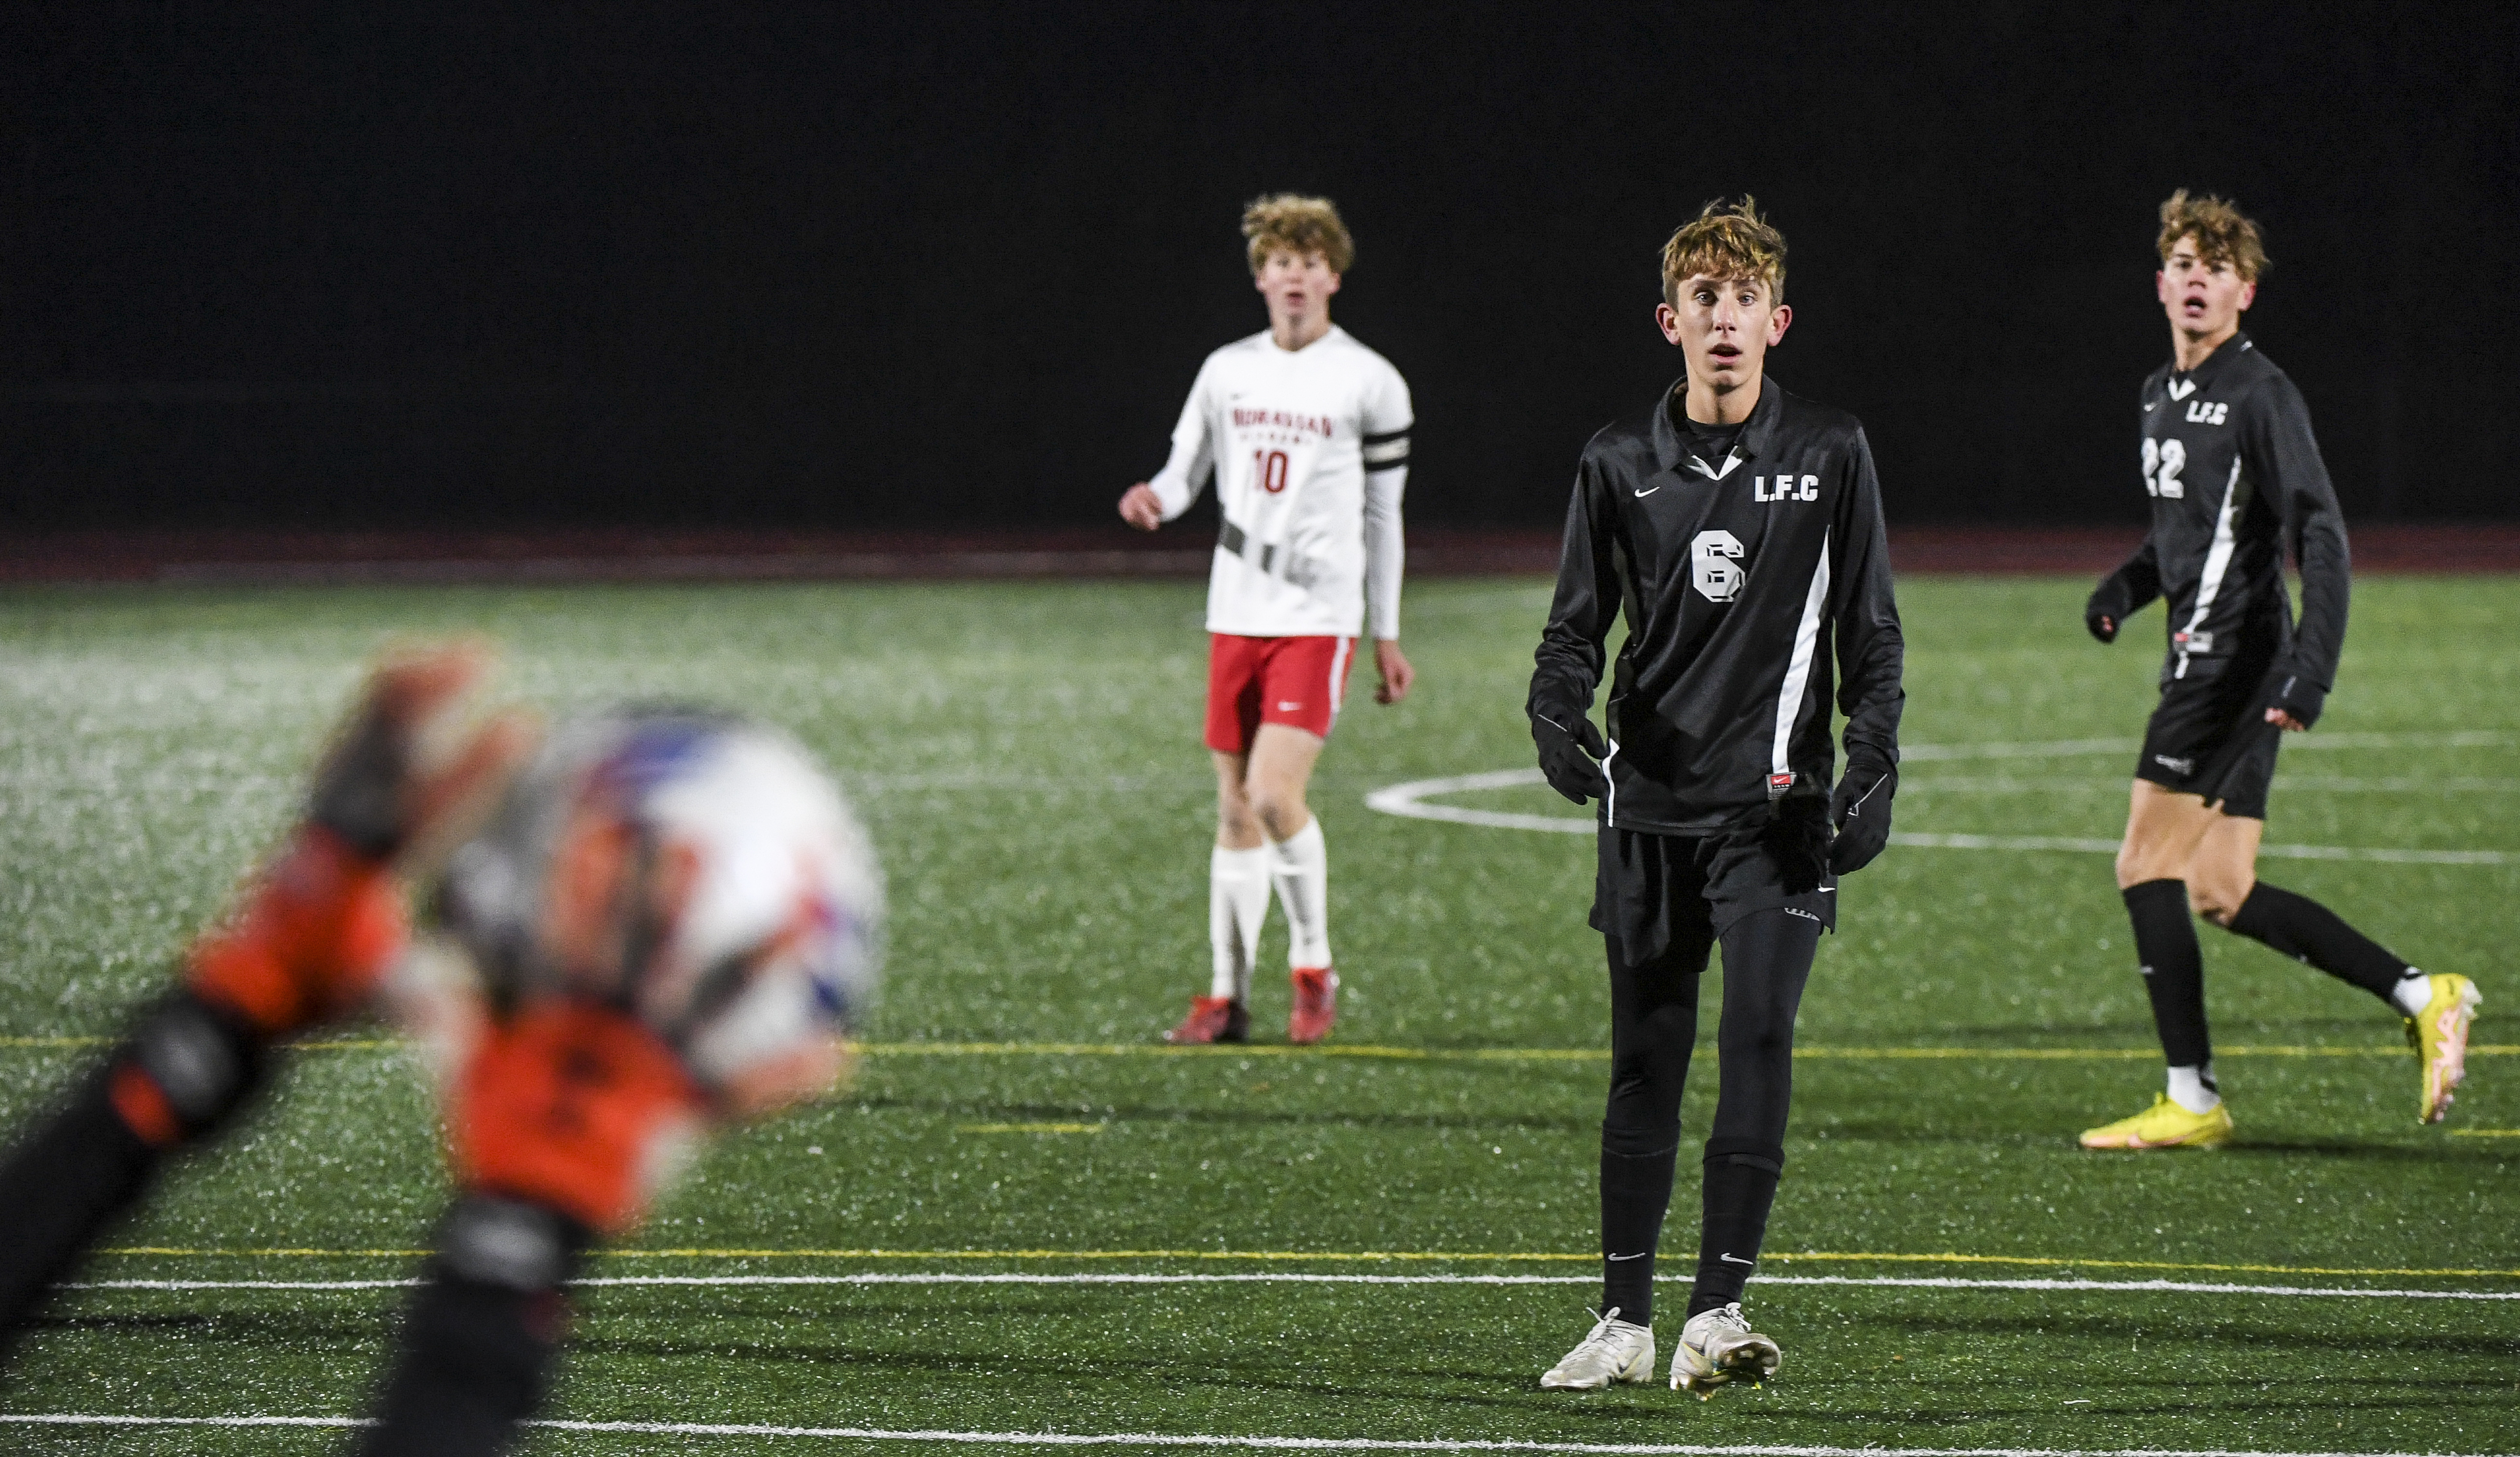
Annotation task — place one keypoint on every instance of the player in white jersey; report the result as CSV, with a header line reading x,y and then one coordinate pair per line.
x,y
1306,432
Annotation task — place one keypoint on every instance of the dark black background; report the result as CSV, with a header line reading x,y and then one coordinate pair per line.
x,y
859,266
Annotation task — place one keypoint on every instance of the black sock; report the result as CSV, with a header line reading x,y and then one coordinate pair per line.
x,y
2174,969
1636,1193
2306,931
1740,1187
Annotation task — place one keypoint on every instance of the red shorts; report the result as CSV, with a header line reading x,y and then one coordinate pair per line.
x,y
1296,681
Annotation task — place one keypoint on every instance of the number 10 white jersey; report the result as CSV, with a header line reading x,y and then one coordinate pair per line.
x,y
1310,450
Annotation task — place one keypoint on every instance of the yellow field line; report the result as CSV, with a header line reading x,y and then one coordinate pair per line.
x,y
2484,1133
1363,1256
1461,1054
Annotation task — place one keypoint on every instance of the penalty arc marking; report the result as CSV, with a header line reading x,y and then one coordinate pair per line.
x,y
1414,799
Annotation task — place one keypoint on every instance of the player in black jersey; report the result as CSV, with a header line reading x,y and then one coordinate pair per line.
x,y
1739,530
2236,480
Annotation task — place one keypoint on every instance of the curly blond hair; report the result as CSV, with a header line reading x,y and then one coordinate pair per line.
x,y
2222,235
1726,240
1283,221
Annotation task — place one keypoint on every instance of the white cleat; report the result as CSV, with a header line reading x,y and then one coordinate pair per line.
x,y
1615,1351
1717,1346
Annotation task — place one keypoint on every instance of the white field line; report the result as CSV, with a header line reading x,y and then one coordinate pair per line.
x,y
1901,1282
1413,800
1173,1440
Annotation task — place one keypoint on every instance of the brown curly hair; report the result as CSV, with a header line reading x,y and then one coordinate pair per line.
x,y
2222,235
1726,240
1283,221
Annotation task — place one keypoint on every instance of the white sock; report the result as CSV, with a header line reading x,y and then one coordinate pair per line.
x,y
1237,901
2193,1088
2413,991
1300,864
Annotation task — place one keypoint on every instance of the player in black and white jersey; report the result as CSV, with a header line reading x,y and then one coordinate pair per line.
x,y
1306,432
1738,530
2236,480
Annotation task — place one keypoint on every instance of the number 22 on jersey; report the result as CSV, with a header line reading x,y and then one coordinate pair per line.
x,y
2162,462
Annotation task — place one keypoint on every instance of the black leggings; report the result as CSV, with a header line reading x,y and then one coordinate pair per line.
x,y
1653,1029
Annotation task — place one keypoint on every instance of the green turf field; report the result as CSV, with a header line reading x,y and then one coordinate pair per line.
x,y
1027,757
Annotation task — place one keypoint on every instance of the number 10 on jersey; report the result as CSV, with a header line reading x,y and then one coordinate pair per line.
x,y
1269,470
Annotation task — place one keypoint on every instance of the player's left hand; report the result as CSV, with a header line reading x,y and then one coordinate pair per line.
x,y
1861,811
1391,670
2297,704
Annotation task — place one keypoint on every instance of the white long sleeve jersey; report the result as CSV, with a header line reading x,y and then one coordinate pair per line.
x,y
1310,450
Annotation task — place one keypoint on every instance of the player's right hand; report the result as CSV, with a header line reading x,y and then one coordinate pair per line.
x,y
1142,508
403,776
1570,757
2104,611
319,924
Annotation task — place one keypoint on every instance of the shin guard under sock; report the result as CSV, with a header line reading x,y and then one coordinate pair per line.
x,y
2174,969
1740,1188
2306,931
1636,1193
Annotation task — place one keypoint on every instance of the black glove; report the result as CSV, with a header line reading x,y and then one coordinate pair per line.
x,y
1570,756
2301,698
1861,811
2107,611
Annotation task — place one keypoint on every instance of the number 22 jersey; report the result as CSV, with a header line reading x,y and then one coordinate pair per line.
x,y
1309,451
2234,477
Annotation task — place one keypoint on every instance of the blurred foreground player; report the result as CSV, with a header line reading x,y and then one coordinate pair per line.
x,y
1306,432
1739,527
2235,479
662,928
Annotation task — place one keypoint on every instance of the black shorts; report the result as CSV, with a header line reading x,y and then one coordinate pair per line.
x,y
1650,891
2209,736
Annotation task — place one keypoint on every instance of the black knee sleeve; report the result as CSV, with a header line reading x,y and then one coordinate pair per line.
x,y
479,1344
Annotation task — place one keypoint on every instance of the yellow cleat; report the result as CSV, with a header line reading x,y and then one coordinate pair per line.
x,y
2164,1125
2438,1036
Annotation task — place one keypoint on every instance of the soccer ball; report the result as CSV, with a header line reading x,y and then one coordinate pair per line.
x,y
696,869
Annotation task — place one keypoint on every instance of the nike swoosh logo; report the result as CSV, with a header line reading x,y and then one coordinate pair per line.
x,y
1641,495
1828,890
1728,1259
2148,408
1639,1255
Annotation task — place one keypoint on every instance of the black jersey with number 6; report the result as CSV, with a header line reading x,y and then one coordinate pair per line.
x,y
2236,480
1741,580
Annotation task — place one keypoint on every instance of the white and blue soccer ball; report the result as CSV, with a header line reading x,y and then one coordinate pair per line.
x,y
771,936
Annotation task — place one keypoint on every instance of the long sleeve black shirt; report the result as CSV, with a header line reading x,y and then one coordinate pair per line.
x,y
2235,481
1742,580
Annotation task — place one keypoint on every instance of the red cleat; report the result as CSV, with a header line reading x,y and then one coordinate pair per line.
x,y
1212,1020
1316,1004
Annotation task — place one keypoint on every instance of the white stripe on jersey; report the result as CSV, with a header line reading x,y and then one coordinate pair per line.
x,y
1338,675
2218,559
1790,702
